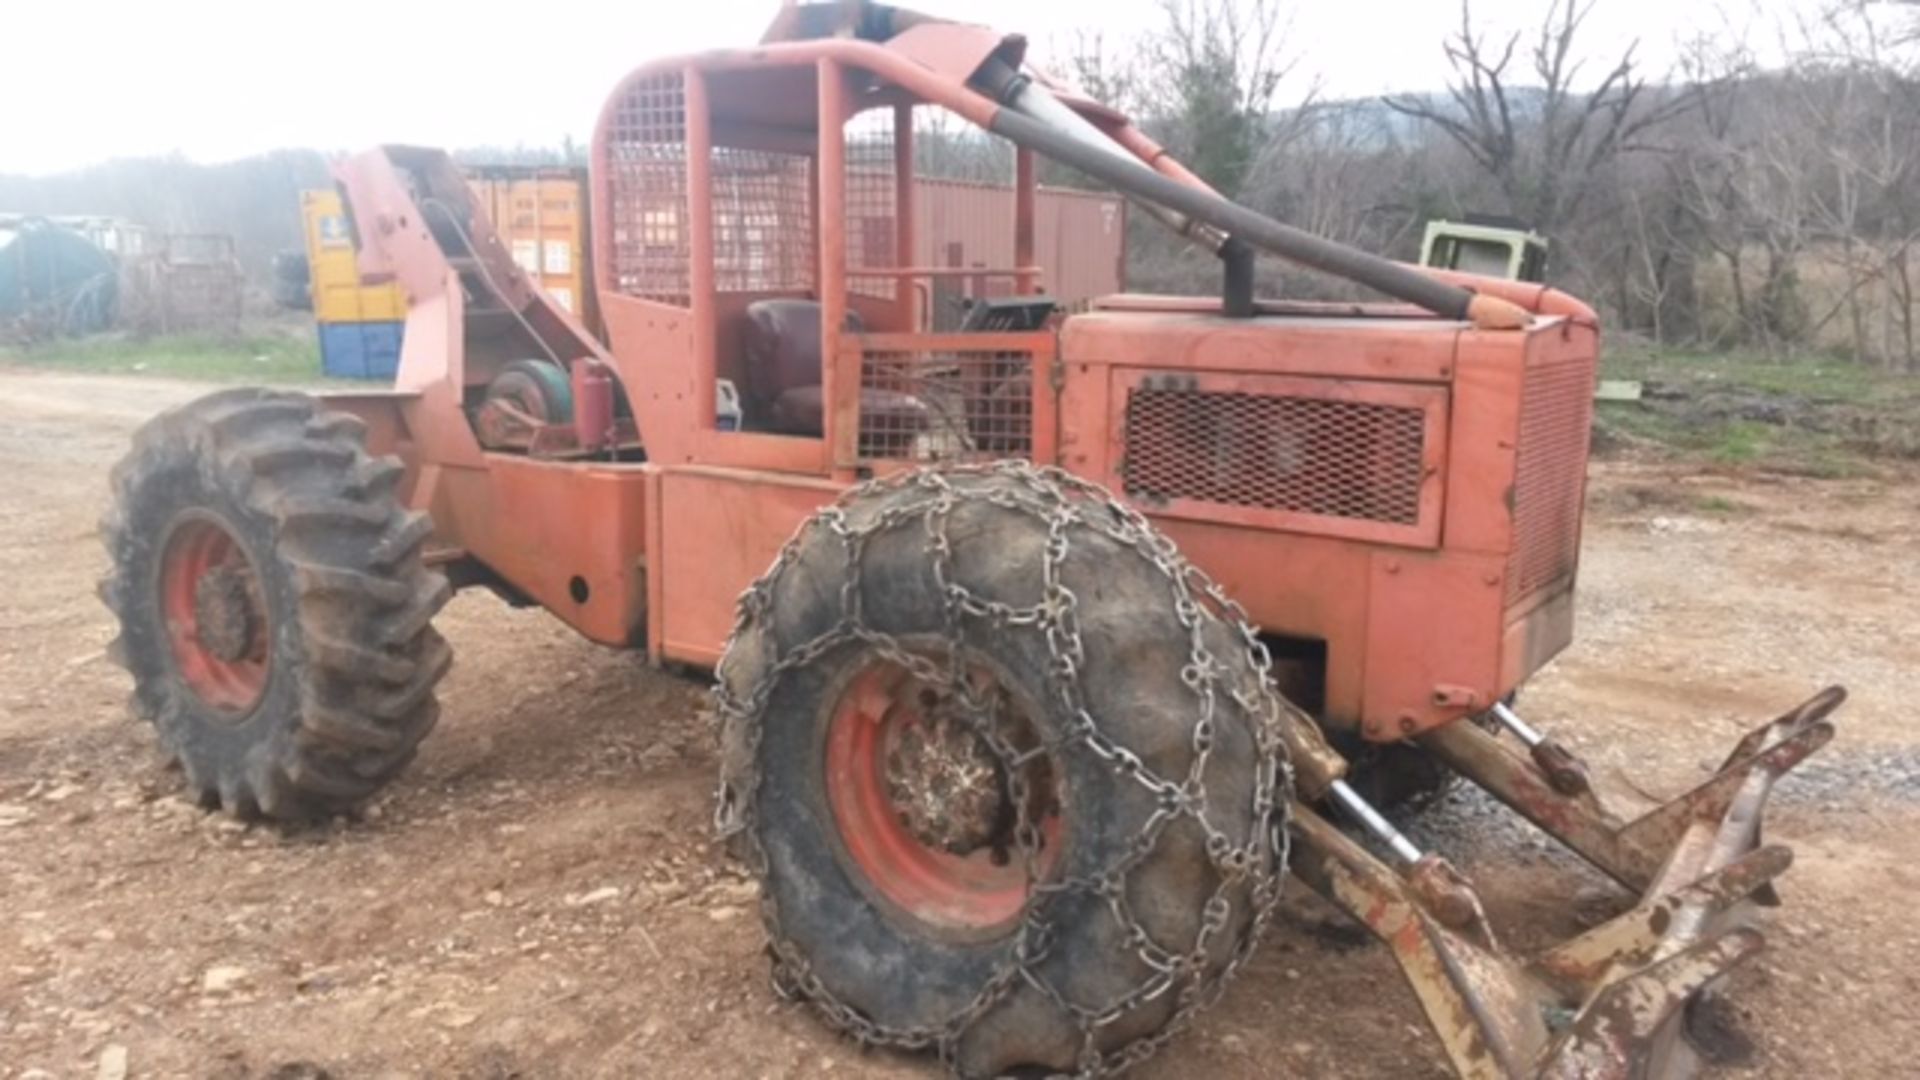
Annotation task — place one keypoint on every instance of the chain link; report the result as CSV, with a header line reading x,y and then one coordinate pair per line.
x,y
1067,507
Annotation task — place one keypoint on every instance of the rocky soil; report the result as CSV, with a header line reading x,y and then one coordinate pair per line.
x,y
539,896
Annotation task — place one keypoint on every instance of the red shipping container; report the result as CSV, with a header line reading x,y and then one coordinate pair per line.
x,y
1079,241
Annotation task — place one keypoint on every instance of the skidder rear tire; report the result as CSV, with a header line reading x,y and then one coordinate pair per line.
x,y
1008,771
274,608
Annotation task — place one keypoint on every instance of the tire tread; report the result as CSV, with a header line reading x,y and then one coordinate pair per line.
x,y
365,648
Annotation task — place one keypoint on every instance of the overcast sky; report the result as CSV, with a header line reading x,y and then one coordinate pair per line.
x,y
86,80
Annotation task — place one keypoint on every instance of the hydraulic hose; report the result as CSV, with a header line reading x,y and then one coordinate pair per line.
x,y
1031,117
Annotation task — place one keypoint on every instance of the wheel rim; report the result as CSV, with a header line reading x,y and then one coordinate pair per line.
x,y
216,619
924,807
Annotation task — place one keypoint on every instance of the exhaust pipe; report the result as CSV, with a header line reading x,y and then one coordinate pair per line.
x,y
1032,117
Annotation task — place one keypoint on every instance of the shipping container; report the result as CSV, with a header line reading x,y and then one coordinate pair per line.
x,y
338,295
360,350
541,215
1079,242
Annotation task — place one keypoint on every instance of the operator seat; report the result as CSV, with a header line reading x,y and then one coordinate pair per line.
x,y
783,373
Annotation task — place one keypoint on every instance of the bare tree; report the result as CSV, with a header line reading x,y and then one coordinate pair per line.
x,y
1216,68
1106,72
1205,83
1337,169
1907,28
1859,93
1542,138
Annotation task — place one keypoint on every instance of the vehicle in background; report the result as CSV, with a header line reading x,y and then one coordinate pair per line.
x,y
292,283
55,280
1489,246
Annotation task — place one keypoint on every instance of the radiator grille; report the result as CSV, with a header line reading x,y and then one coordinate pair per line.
x,y
1556,413
1340,459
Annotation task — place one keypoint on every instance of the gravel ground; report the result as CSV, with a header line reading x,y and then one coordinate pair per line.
x,y
538,897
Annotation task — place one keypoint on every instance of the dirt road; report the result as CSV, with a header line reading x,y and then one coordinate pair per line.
x,y
538,896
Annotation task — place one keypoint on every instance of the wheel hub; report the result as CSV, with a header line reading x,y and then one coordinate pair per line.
x,y
948,807
215,619
942,778
223,608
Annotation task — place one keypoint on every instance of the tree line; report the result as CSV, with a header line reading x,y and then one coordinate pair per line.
x,y
255,200
1726,202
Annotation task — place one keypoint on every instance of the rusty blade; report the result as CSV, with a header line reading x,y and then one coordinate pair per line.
x,y
1635,938
1617,1035
1633,847
1814,709
1650,839
1609,1003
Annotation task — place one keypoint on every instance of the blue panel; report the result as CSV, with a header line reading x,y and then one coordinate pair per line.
x,y
360,350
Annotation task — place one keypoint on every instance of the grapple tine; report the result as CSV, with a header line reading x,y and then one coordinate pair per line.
x,y
1620,1034
1635,938
1696,860
1635,849
1814,709
1659,830
1631,940
1618,990
1802,717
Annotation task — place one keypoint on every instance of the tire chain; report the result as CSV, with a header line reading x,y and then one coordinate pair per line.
x,y
1063,502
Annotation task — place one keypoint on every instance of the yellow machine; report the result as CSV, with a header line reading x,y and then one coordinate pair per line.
x,y
338,295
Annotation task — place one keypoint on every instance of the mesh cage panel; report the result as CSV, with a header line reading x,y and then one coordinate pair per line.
x,y
967,405
1556,413
871,210
762,221
1341,459
647,160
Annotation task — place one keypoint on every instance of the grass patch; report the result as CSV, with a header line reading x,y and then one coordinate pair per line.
x,y
1739,443
266,358
1812,377
1808,415
1721,505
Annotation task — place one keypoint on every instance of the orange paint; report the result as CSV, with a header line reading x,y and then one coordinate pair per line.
x,y
1346,471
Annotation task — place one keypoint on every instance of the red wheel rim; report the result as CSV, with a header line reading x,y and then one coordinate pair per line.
x,y
216,621
978,892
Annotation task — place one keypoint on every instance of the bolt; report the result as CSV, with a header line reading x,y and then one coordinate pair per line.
x,y
1393,566
1408,722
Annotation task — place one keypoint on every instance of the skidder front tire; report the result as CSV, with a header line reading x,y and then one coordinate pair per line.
x,y
1008,771
274,609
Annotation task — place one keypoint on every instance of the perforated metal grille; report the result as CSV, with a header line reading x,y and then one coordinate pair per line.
x,y
1339,459
871,206
647,162
1556,414
946,406
762,221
